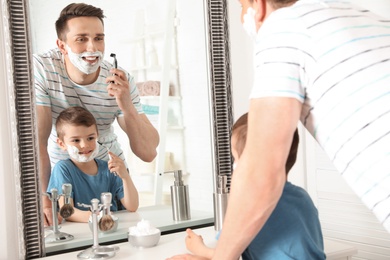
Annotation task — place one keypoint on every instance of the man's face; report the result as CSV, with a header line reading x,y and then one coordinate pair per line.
x,y
245,4
85,34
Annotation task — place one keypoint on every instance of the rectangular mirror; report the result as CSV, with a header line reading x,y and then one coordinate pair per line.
x,y
197,132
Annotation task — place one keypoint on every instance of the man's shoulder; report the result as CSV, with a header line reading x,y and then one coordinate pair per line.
x,y
50,54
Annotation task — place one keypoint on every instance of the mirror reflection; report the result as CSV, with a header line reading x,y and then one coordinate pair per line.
x,y
163,48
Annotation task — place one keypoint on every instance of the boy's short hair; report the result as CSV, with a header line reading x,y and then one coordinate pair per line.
x,y
77,116
72,11
240,129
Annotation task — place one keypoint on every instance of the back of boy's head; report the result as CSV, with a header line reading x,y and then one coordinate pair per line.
x,y
77,116
240,129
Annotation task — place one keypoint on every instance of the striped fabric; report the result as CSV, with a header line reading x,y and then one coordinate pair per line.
x,y
53,88
335,59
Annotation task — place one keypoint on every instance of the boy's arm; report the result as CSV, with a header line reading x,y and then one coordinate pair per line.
x,y
195,245
130,200
78,215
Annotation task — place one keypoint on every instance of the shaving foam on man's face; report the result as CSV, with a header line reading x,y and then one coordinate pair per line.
x,y
249,23
86,62
75,154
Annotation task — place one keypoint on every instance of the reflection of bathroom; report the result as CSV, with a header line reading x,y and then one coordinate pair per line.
x,y
155,60
135,32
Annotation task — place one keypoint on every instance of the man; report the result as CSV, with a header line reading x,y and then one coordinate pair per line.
x,y
326,63
75,74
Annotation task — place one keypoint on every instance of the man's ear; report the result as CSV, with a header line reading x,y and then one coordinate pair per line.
x,y
62,46
61,144
261,10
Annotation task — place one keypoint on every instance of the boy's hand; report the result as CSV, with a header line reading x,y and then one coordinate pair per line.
x,y
116,164
194,242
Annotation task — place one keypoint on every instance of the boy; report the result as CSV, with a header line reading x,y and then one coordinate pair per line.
x,y
293,231
77,134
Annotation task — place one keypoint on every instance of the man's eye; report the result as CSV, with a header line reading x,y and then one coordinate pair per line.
x,y
99,38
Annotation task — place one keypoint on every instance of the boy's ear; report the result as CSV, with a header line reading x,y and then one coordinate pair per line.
x,y
61,144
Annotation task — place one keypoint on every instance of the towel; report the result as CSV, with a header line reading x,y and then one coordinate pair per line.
x,y
150,88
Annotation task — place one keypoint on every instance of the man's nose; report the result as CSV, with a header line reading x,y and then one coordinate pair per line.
x,y
91,46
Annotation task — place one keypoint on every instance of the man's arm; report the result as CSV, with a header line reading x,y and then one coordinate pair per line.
x,y
260,176
141,133
44,129
143,136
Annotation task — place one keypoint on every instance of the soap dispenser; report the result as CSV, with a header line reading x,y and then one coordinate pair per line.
x,y
220,201
180,198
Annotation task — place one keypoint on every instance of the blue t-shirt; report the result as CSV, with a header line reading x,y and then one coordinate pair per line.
x,y
293,230
86,187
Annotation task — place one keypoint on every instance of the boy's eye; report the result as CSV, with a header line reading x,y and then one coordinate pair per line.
x,y
75,140
91,138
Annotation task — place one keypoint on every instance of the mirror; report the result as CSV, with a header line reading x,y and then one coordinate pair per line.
x,y
215,80
155,42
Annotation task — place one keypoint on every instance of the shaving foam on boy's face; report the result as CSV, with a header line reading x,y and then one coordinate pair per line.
x,y
74,153
86,62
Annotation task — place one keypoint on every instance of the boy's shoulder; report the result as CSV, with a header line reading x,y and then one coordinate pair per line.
x,y
64,163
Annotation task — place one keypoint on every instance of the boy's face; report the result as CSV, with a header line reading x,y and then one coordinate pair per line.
x,y
234,150
82,137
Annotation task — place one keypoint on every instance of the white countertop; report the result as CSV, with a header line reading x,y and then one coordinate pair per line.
x,y
159,216
173,244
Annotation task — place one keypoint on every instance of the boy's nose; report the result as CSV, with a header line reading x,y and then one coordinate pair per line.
x,y
83,144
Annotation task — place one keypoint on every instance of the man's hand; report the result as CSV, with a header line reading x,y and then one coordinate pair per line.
x,y
186,257
48,212
48,216
118,87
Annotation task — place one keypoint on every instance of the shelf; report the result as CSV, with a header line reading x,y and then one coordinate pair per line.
x,y
154,98
152,68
